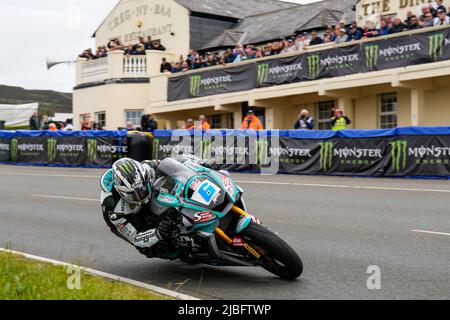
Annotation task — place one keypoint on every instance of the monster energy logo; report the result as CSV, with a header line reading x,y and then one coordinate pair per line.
x,y
314,65
92,150
195,85
436,43
263,73
326,156
206,149
262,152
51,150
14,149
155,150
372,56
399,155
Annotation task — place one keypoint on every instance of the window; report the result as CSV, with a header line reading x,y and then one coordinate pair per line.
x,y
388,111
134,116
324,114
216,121
100,118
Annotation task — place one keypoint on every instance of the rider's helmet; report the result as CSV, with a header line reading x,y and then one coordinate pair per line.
x,y
132,181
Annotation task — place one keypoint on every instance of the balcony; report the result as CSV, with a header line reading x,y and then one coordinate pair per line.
x,y
117,65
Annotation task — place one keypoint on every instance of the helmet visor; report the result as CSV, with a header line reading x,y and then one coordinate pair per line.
x,y
137,196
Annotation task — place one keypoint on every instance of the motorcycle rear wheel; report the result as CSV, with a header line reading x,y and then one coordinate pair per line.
x,y
279,258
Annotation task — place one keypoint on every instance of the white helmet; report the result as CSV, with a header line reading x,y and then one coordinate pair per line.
x,y
132,181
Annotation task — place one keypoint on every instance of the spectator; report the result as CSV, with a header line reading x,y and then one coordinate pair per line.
x,y
190,125
152,123
156,45
69,125
341,36
166,66
148,43
145,123
45,123
130,126
96,126
204,124
87,54
414,23
315,39
340,121
398,25
52,127
384,28
34,122
355,33
439,6
442,19
305,122
252,122
85,123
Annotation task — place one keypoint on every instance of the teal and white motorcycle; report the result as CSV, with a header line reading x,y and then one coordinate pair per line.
x,y
214,226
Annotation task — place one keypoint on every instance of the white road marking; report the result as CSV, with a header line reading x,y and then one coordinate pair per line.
x,y
275,183
65,198
342,186
48,175
155,289
432,232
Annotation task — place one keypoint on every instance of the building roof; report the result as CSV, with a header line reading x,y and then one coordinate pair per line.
x,y
235,8
286,22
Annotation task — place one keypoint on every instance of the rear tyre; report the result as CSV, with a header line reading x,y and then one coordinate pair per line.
x,y
279,258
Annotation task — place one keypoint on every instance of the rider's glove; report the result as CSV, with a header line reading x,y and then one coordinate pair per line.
x,y
166,231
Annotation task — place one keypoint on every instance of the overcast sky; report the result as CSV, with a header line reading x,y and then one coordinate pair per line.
x,y
32,30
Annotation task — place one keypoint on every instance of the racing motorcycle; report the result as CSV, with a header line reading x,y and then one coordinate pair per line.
x,y
214,227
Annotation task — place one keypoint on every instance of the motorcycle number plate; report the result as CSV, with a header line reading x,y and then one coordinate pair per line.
x,y
205,193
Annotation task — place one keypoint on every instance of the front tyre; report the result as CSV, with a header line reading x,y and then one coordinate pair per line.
x,y
279,258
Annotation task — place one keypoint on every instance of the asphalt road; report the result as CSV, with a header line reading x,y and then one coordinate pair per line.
x,y
339,226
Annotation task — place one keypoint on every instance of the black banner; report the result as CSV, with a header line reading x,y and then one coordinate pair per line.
x,y
66,150
382,54
368,157
29,150
280,71
212,82
100,151
4,149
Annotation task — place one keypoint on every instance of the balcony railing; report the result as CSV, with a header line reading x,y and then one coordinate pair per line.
x,y
95,70
135,66
117,65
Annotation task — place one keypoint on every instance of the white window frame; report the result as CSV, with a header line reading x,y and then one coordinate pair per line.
x,y
138,119
97,120
387,113
327,121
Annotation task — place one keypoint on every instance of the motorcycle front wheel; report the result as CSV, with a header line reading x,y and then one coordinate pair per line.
x,y
278,257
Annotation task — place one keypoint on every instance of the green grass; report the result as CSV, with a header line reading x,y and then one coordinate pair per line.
x,y
23,279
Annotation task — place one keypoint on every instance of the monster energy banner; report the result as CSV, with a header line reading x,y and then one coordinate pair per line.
x,y
383,156
100,151
29,150
280,71
207,83
383,54
66,150
4,149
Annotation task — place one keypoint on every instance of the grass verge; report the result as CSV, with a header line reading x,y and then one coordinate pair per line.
x,y
23,279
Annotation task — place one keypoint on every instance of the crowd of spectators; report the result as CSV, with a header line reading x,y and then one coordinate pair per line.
x,y
130,49
47,124
434,14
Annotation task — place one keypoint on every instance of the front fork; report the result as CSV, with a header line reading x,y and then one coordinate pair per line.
x,y
221,234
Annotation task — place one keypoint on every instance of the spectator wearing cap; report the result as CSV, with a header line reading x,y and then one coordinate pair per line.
x,y
315,39
190,125
341,36
289,47
252,122
355,33
439,6
442,19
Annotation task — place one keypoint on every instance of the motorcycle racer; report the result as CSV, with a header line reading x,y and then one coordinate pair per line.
x,y
126,190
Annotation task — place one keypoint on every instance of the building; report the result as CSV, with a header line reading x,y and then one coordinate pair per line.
x,y
118,89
